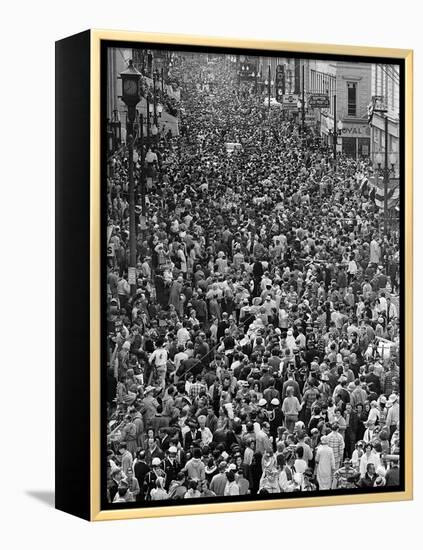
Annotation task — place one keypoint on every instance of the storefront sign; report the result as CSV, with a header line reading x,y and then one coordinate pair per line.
x,y
319,101
356,130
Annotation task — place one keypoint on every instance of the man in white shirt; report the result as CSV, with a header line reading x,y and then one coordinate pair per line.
x,y
159,359
206,435
391,310
182,335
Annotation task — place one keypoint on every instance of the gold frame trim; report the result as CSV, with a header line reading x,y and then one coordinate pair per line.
x,y
194,509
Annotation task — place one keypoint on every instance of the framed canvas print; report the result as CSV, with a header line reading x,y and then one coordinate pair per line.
x,y
233,275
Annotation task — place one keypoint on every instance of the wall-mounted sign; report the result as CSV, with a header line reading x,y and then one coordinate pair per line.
x,y
379,104
355,130
289,101
318,101
310,119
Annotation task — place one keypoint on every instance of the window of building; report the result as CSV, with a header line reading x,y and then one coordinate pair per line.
x,y
352,98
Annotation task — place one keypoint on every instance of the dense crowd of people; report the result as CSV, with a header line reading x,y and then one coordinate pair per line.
x,y
259,352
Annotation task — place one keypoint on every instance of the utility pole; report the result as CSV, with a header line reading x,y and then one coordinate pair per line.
x,y
142,178
132,224
154,99
335,135
148,120
268,89
303,106
386,179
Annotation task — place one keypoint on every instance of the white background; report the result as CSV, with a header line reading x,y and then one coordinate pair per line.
x,y
28,32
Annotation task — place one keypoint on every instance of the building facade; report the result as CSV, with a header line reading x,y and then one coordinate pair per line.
x,y
386,84
353,94
349,86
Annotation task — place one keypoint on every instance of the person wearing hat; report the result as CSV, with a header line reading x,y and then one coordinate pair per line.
x,y
149,406
152,476
171,466
270,392
346,477
324,387
262,403
370,431
393,416
275,418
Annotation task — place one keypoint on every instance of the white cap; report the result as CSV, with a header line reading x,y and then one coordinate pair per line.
x,y
156,461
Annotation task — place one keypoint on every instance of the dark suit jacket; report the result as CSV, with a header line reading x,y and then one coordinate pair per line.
x,y
373,382
191,437
353,425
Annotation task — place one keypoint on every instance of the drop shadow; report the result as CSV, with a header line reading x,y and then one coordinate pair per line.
x,y
46,497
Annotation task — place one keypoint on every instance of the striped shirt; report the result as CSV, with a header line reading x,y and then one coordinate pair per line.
x,y
336,443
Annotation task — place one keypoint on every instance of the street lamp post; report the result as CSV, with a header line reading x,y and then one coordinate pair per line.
x,y
386,180
131,96
303,105
335,133
142,178
269,85
154,97
148,118
269,89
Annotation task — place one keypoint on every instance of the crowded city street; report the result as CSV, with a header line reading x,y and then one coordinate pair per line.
x,y
252,300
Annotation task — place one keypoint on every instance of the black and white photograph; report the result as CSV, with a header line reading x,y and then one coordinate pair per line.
x,y
252,289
